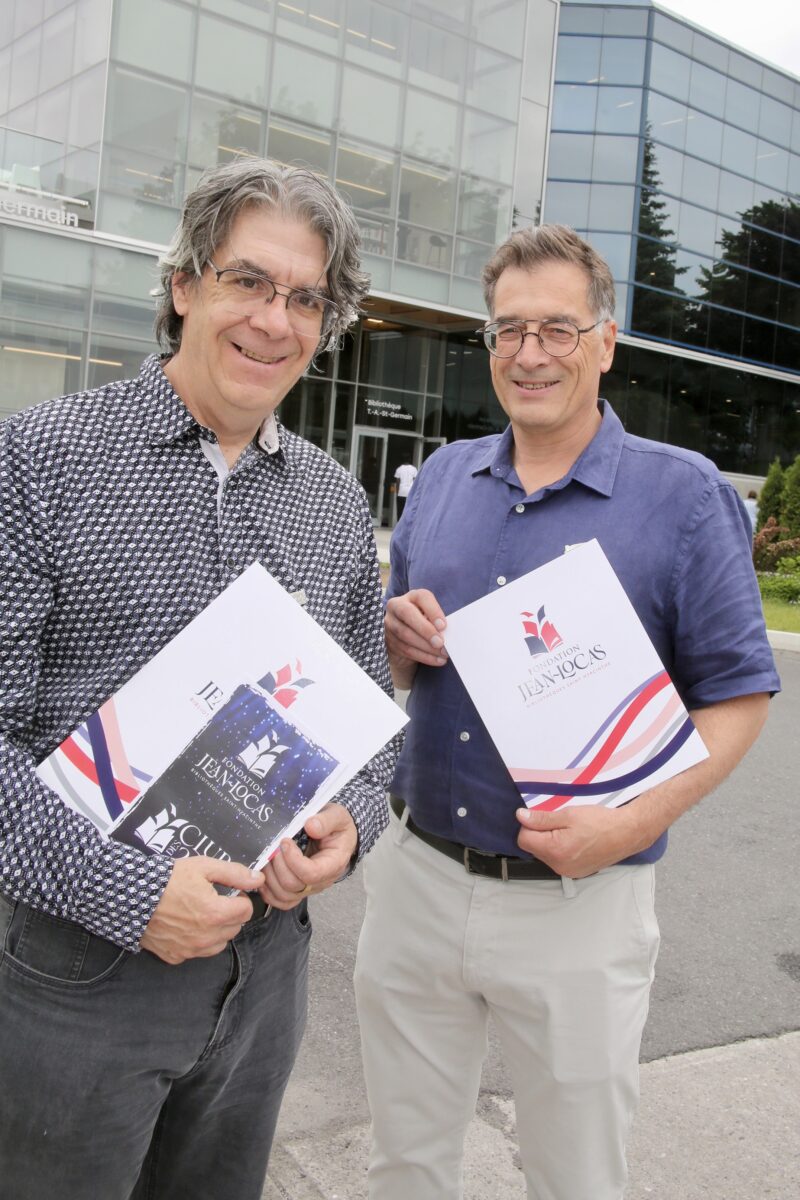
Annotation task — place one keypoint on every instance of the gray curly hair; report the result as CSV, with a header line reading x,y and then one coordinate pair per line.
x,y
210,210
529,248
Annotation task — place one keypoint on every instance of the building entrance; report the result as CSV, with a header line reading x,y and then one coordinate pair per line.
x,y
375,456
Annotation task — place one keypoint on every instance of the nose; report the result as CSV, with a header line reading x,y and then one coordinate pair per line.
x,y
530,352
272,317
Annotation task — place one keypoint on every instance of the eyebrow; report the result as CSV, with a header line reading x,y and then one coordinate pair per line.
x,y
553,317
245,264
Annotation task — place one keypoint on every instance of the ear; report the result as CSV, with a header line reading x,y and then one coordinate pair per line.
x,y
609,342
181,285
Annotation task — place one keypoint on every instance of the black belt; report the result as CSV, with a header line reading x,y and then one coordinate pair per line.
x,y
476,862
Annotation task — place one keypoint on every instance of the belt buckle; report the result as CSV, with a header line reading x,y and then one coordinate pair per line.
x,y
472,871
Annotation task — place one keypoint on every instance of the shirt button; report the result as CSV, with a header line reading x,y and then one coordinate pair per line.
x,y
464,736
461,812
501,579
520,508
232,561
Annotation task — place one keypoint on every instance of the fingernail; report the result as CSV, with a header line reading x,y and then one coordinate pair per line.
x,y
439,623
436,642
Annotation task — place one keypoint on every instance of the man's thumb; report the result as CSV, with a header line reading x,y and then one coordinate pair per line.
x,y
538,818
232,874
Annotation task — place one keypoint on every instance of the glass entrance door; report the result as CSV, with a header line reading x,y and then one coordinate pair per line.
x,y
376,455
369,467
402,449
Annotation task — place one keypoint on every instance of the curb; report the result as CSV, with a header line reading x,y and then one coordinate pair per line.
x,y
780,640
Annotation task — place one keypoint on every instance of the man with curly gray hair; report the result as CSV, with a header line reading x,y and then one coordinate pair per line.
x,y
148,1024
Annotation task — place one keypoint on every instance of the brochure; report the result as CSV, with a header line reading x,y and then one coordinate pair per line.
x,y
248,722
570,687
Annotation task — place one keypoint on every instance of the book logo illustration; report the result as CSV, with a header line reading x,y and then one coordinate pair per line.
x,y
159,830
260,756
541,635
286,684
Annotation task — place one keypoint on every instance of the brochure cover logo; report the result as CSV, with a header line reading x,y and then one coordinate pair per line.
x,y
286,684
541,635
158,831
261,756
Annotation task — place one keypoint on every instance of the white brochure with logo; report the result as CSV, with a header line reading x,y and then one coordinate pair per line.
x,y
244,725
570,687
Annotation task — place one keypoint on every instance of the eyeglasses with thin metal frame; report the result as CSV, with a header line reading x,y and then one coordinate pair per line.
x,y
309,313
504,339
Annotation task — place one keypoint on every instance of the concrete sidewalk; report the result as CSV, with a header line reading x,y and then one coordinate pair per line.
x,y
719,1124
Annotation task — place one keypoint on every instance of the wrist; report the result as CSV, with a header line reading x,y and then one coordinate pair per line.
x,y
403,671
638,828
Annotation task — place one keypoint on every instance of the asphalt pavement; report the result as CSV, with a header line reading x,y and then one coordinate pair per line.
x,y
720,1111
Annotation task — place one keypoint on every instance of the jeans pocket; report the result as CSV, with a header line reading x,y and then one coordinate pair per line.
x,y
302,918
56,951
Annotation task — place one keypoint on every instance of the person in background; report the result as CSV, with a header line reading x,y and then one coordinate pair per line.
x,y
405,475
477,906
751,507
148,1024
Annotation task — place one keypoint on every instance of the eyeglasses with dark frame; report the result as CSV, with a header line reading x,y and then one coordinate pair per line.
x,y
504,339
309,313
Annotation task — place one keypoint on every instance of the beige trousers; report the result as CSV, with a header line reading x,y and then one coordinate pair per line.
x,y
565,970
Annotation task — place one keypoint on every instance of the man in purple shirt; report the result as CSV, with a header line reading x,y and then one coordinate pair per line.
x,y
550,928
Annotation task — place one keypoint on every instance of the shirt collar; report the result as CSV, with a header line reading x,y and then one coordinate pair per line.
x,y
596,467
498,455
169,420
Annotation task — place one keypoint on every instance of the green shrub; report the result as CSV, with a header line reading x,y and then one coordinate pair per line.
x,y
780,587
790,565
769,500
790,499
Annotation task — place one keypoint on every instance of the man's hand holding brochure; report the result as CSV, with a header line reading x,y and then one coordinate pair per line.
x,y
233,739
581,709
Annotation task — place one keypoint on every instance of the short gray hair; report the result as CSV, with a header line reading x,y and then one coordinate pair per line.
x,y
210,210
529,248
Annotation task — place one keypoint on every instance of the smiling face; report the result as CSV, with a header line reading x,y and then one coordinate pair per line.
x,y
233,369
551,401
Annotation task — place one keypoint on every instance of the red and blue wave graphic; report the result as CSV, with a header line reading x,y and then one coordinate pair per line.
x,y
596,769
96,752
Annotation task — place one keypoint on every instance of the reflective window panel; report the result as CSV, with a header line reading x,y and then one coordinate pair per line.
x,y
37,364
376,37
427,196
431,128
221,129
370,107
232,61
366,177
315,101
292,143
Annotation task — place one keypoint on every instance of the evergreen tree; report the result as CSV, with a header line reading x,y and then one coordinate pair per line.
x,y
769,502
790,500
745,277
655,253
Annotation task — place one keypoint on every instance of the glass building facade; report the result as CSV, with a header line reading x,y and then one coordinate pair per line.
x,y
678,156
430,117
674,153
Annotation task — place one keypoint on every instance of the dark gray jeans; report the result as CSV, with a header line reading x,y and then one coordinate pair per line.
x,y
123,1078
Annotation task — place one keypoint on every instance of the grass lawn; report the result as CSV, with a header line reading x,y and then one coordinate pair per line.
x,y
780,615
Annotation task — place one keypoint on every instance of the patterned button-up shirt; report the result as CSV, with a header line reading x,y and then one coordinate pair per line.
x,y
115,531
